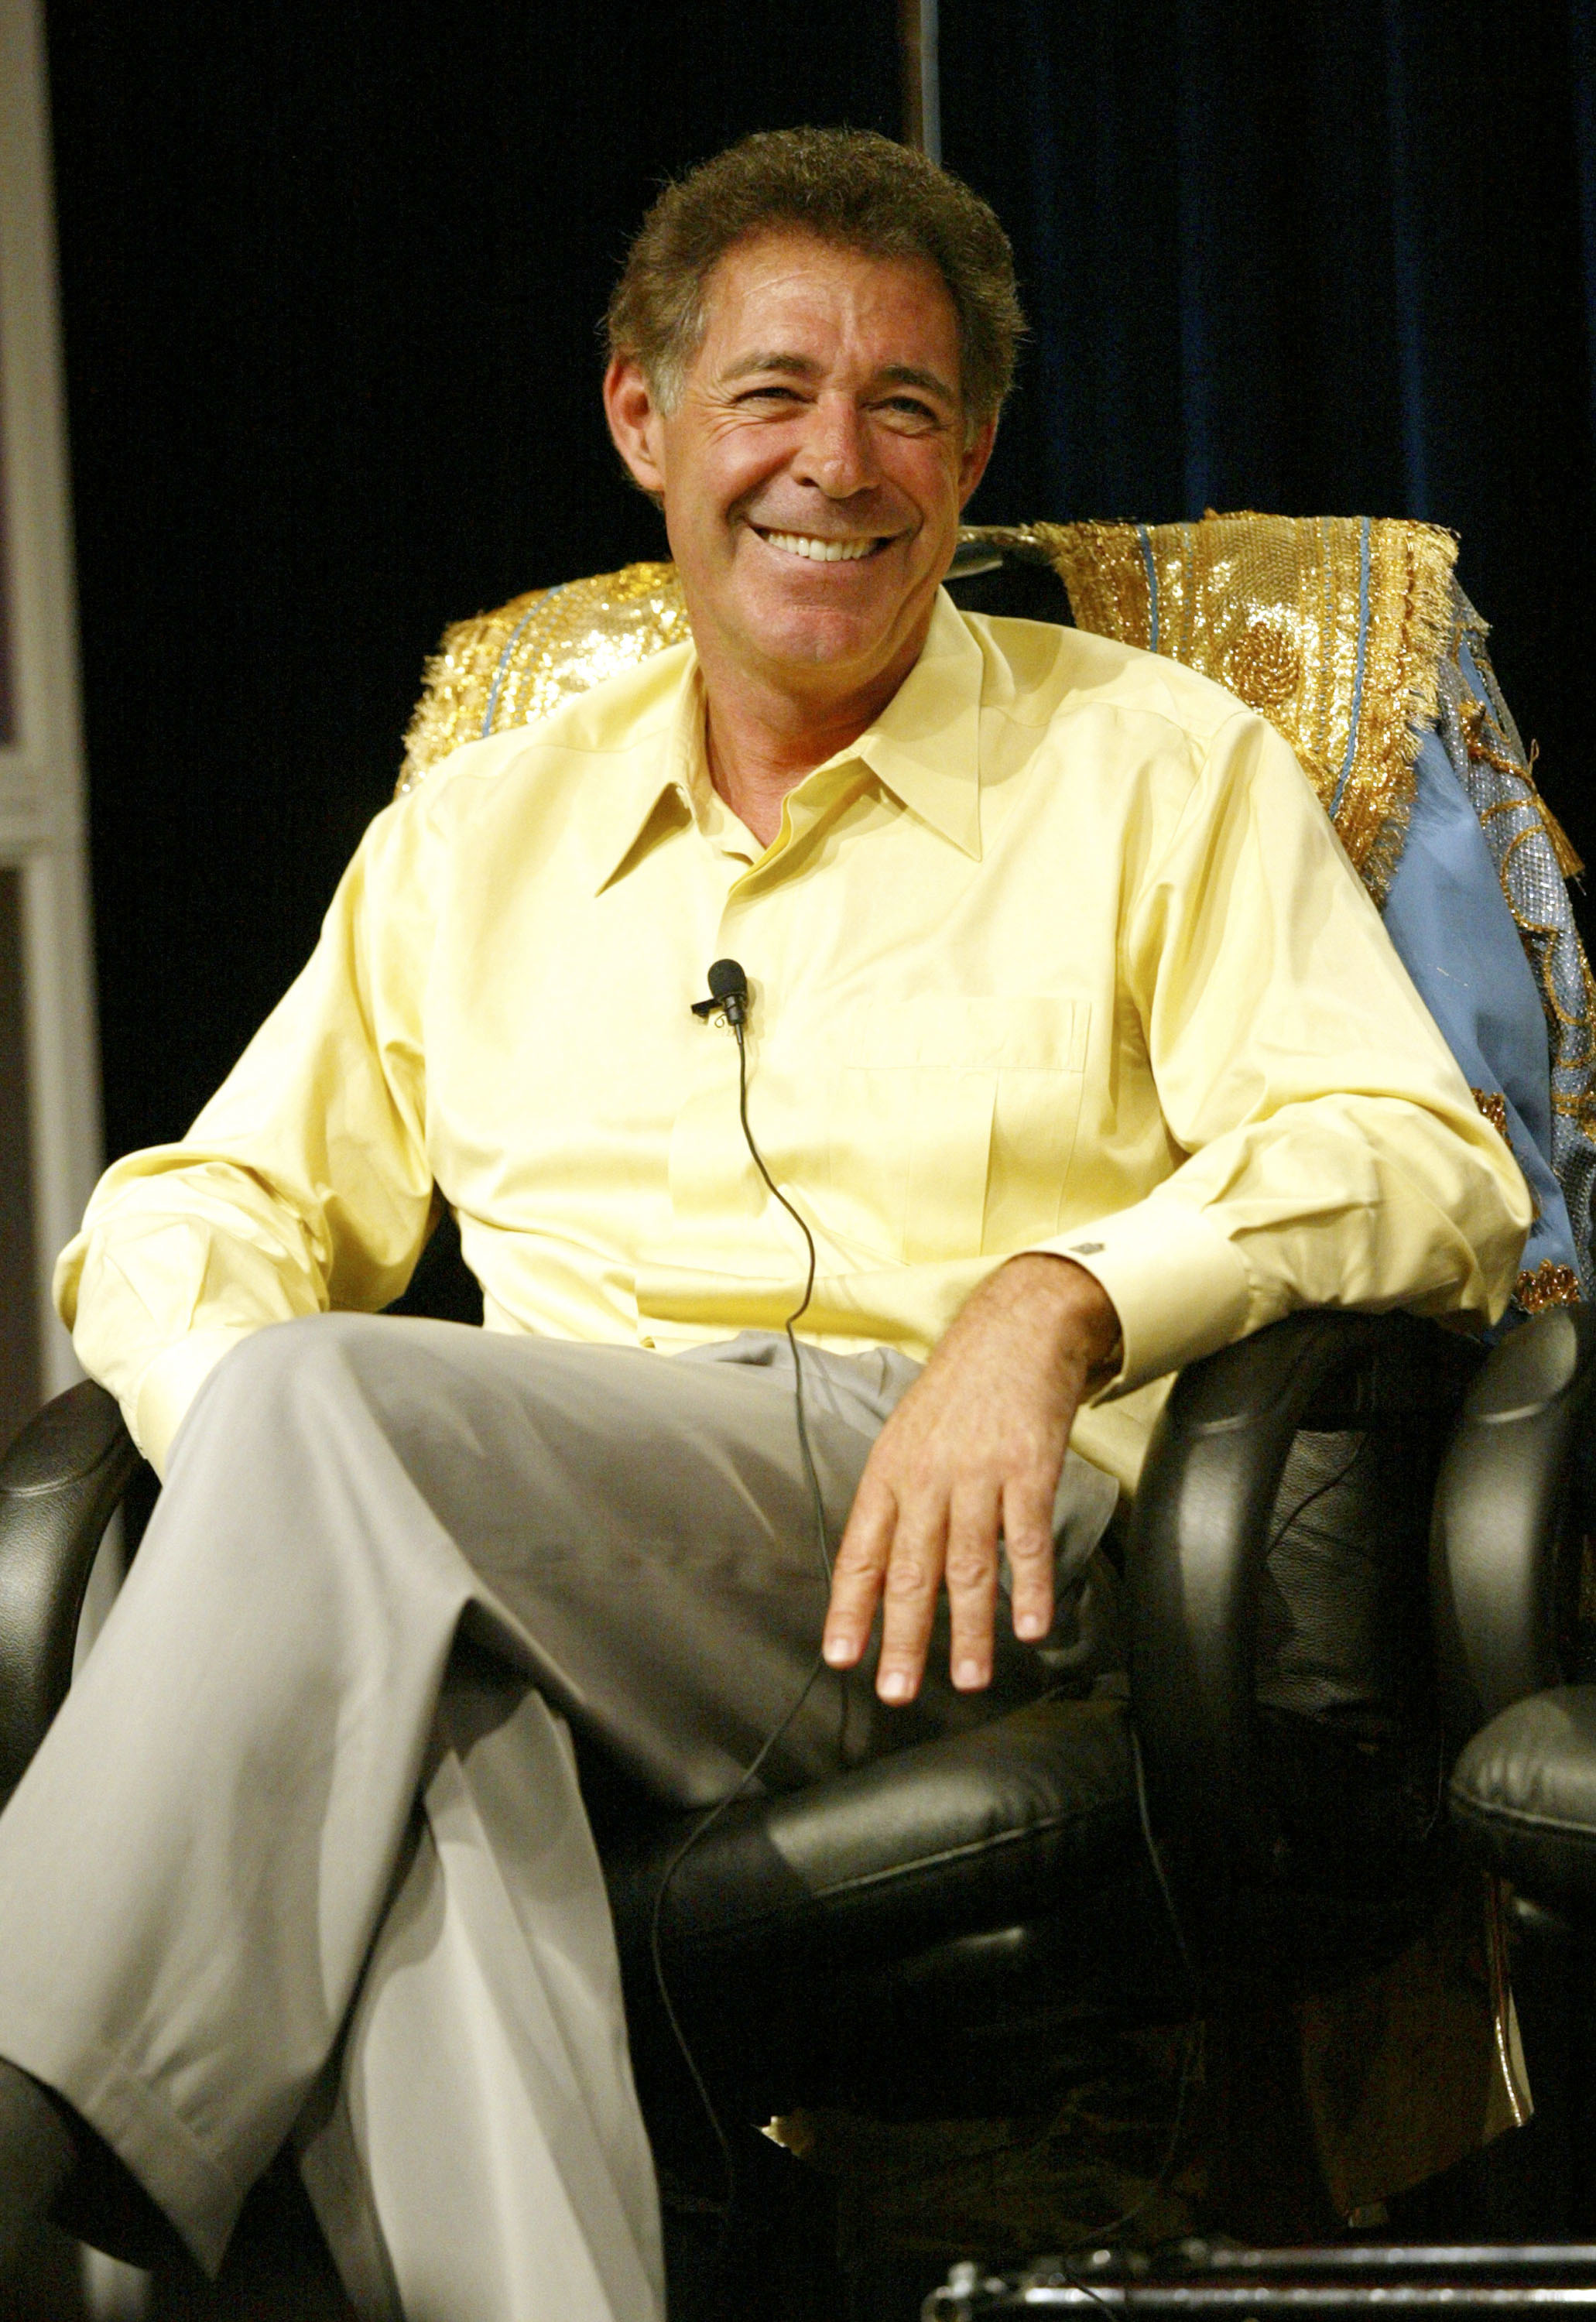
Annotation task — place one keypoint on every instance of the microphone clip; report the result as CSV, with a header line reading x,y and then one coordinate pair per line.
x,y
728,995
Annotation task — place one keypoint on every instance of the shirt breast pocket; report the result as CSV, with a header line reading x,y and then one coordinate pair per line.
x,y
952,1122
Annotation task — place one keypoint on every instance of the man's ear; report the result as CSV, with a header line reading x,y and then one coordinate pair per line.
x,y
973,466
634,427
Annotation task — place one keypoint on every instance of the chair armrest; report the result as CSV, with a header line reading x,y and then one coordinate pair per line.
x,y
1199,1536
59,1484
1496,1570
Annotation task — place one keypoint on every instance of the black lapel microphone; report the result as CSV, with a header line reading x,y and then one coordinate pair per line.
x,y
728,994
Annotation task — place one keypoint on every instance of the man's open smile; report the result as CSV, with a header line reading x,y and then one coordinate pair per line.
x,y
820,551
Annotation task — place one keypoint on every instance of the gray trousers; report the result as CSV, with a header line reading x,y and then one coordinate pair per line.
x,y
305,1854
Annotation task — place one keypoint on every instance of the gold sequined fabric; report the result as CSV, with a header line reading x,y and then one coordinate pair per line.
x,y
1332,627
507,668
1493,1106
1550,1285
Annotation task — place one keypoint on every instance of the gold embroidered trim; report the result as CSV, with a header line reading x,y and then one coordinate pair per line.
x,y
1478,726
1550,1285
1494,1107
1580,1108
1272,606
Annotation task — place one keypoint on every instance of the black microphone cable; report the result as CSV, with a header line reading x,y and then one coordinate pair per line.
x,y
729,1000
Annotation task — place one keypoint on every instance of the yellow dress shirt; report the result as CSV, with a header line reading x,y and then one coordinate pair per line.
x,y
1060,955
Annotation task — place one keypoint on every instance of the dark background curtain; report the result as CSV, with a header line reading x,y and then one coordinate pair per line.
x,y
331,278
1336,256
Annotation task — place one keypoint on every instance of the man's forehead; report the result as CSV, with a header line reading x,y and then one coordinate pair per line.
x,y
779,265
765,287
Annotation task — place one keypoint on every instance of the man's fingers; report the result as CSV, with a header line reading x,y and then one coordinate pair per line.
x,y
976,1441
858,1573
971,1577
1027,1535
909,1598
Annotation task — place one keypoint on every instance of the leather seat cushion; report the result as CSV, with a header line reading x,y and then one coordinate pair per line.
x,y
1343,1613
973,1831
1524,1791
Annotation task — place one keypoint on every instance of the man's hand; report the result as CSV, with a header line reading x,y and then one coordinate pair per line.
x,y
974,1448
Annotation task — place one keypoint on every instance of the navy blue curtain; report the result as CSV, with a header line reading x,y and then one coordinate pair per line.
x,y
1339,257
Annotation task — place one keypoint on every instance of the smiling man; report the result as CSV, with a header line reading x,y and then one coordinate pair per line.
x,y
811,465
1070,1039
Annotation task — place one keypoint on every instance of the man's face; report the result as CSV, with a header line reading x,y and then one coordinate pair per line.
x,y
813,469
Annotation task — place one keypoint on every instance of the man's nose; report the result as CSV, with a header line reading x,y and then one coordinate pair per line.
x,y
836,454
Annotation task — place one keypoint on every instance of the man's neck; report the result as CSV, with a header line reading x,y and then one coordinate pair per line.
x,y
761,740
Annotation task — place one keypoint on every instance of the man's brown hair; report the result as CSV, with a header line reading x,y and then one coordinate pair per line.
x,y
851,187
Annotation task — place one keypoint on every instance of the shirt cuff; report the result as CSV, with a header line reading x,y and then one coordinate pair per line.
x,y
171,1380
1179,1287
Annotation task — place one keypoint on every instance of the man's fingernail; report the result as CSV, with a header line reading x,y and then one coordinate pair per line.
x,y
835,1650
968,1676
1029,1624
893,1686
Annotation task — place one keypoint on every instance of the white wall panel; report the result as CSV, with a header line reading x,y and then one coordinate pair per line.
x,y
41,804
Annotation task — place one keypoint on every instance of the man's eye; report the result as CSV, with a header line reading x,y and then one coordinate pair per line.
x,y
909,406
770,395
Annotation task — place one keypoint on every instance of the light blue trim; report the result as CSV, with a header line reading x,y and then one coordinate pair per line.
x,y
1455,934
504,660
1145,538
1357,683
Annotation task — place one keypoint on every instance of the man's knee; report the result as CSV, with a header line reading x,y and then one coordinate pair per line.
x,y
319,1436
302,1378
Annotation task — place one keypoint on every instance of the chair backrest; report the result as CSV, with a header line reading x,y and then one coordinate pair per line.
x,y
1352,637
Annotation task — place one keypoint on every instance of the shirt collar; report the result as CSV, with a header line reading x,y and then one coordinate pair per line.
x,y
924,747
678,772
925,744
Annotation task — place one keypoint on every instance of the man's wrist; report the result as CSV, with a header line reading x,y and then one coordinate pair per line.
x,y
1085,1314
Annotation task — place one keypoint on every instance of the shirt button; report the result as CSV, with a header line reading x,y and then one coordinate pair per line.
x,y
1083,1249
648,1343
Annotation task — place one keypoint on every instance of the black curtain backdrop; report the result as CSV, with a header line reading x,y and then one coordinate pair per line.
x,y
331,280
1336,256
332,272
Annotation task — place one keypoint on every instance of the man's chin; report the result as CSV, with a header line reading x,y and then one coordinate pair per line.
x,y
803,626
814,639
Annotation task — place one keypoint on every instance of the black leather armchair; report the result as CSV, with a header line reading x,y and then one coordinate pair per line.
x,y
1513,1572
909,1937
1513,1583
900,1938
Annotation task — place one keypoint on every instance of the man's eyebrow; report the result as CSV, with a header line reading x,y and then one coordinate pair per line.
x,y
906,375
805,367
774,360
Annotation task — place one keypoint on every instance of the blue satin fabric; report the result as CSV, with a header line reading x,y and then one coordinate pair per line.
x,y
1480,991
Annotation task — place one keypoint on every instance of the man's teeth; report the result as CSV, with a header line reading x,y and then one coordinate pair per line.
x,y
823,551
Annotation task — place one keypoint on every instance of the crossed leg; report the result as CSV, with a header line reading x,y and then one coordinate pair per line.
x,y
391,1558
